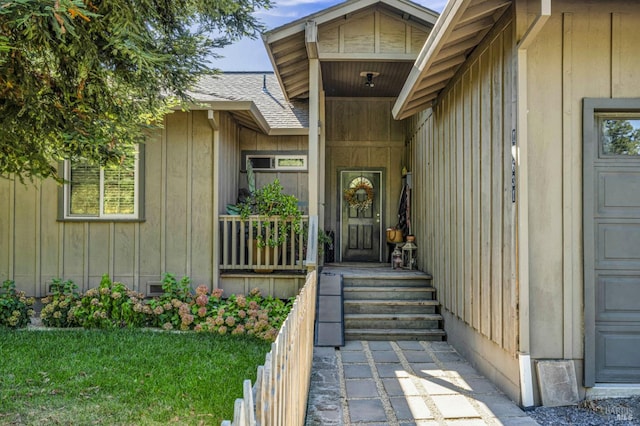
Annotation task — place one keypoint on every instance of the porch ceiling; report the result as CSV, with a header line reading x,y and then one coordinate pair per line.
x,y
289,51
342,79
461,27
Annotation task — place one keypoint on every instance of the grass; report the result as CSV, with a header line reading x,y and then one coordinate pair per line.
x,y
123,377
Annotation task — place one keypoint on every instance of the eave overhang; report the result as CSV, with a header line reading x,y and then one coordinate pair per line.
x,y
247,114
292,45
459,30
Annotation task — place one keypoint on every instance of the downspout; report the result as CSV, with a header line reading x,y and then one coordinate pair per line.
x,y
526,377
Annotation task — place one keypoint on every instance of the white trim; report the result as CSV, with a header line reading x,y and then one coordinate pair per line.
x,y
421,13
101,215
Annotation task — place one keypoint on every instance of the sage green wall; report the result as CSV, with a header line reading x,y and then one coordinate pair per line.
x,y
361,133
586,49
175,237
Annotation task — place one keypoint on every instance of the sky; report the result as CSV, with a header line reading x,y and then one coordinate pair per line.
x,y
250,55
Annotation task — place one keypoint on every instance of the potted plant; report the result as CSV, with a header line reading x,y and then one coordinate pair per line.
x,y
269,203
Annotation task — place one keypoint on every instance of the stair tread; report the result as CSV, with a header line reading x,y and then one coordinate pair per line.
x,y
393,316
392,302
393,288
394,331
387,276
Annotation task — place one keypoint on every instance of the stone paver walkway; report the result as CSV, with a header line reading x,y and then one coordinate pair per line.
x,y
402,384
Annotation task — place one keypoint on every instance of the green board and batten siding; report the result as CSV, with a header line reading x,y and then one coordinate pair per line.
x,y
361,134
175,235
464,217
461,152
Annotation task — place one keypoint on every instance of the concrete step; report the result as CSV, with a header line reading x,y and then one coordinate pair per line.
x,y
394,334
387,281
387,306
392,321
389,292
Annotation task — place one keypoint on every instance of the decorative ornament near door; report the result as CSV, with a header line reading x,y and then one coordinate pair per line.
x,y
360,193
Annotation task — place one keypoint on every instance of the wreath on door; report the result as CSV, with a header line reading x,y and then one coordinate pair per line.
x,y
351,195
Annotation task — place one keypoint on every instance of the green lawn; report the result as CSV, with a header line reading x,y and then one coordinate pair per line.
x,y
124,377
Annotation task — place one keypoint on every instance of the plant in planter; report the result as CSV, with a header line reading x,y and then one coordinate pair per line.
x,y
269,202
279,215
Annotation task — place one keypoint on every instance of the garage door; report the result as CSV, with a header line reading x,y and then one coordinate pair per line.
x,y
612,241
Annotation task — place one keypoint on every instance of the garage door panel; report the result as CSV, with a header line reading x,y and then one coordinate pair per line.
x,y
611,226
619,193
618,298
618,245
618,348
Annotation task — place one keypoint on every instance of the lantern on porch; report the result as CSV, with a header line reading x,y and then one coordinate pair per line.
x,y
409,253
396,258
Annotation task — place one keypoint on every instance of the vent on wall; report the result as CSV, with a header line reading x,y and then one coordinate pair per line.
x,y
154,288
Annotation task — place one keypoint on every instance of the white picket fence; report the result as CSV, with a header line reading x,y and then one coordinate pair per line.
x,y
279,396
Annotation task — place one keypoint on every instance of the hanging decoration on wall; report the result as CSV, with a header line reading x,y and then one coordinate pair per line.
x,y
360,194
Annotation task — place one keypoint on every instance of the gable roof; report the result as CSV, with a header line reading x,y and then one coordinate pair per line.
x,y
461,27
255,100
290,49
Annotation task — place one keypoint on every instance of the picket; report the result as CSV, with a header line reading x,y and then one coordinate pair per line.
x,y
282,383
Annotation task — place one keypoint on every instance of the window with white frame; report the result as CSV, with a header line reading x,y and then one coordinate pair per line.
x,y
111,192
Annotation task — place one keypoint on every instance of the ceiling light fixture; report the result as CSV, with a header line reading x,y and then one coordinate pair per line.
x,y
369,75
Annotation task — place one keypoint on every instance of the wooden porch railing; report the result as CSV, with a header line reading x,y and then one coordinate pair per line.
x,y
238,238
282,383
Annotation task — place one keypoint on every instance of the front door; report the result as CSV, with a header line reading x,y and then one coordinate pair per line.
x,y
612,248
361,201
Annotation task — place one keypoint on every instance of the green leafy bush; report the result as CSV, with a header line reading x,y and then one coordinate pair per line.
x,y
15,307
57,308
111,305
271,202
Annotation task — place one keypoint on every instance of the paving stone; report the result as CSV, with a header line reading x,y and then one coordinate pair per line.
x,y
411,345
411,408
466,422
448,357
558,384
439,386
357,371
462,368
392,387
455,407
366,410
352,357
478,385
518,421
391,370
352,345
499,405
428,369
385,356
380,346
417,356
409,404
361,389
441,346
400,387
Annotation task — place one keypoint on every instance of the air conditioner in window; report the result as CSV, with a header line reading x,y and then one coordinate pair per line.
x,y
277,163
